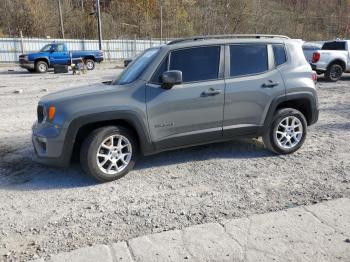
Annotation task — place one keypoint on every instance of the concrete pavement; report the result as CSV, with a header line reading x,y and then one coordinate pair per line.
x,y
309,233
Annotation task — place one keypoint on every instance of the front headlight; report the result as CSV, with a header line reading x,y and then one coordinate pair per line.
x,y
25,57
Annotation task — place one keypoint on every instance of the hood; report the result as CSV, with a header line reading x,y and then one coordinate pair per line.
x,y
31,53
77,92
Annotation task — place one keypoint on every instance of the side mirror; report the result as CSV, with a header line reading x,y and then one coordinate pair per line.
x,y
171,78
127,62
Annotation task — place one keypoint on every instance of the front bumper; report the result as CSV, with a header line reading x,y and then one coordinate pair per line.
x,y
26,64
48,145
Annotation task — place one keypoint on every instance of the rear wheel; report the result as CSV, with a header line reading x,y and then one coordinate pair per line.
x,y
108,153
333,73
287,131
90,64
41,67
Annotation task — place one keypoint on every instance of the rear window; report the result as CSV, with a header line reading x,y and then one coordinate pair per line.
x,y
336,45
248,59
280,54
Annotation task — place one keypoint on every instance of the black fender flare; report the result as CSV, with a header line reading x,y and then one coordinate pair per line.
x,y
288,97
130,117
337,61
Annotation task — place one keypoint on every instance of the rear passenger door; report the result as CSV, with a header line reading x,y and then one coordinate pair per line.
x,y
191,112
252,82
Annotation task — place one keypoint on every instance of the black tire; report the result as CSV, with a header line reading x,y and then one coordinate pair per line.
x,y
90,146
334,73
30,70
89,64
41,67
270,137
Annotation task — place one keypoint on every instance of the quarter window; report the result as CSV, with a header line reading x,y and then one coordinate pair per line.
x,y
196,64
161,69
248,59
280,54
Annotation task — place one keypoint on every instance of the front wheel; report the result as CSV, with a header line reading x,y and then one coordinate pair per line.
x,y
90,64
41,67
108,153
287,131
333,73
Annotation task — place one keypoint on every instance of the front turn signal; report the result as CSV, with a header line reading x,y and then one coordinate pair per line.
x,y
52,111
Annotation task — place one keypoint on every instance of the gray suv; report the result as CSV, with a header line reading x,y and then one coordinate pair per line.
x,y
191,91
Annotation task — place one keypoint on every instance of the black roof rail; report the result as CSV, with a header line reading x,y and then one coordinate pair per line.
x,y
196,38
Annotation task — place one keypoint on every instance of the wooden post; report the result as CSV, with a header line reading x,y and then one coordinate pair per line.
x,y
22,44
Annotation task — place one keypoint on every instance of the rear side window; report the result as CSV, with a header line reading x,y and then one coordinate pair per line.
x,y
196,64
248,59
280,54
334,46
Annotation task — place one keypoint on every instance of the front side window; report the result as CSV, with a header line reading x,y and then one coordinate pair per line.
x,y
248,59
134,70
196,64
280,54
59,48
46,48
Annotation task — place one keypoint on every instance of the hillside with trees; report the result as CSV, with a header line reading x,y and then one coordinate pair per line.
x,y
309,20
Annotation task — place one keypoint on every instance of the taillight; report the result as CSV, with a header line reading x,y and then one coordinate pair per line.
x,y
314,76
316,57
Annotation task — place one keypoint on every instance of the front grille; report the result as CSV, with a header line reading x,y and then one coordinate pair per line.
x,y
40,112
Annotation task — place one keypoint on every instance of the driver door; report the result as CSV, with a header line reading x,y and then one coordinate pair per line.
x,y
191,112
60,55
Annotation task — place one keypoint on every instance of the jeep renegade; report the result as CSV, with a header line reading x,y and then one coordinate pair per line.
x,y
191,91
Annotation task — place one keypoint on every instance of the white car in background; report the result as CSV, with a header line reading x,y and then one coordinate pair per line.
x,y
332,60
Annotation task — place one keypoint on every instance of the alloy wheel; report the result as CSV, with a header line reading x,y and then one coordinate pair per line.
x,y
42,67
114,154
336,72
289,132
89,65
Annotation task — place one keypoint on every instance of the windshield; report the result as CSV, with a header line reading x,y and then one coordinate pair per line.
x,y
46,48
134,70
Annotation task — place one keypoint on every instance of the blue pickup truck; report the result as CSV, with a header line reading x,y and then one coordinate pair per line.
x,y
58,54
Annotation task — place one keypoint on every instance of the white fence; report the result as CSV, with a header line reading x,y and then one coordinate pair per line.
x,y
11,48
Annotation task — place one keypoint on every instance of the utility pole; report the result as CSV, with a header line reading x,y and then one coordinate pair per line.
x,y
61,20
99,24
161,23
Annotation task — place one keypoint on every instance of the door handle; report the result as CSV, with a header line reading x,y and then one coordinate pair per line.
x,y
270,84
211,92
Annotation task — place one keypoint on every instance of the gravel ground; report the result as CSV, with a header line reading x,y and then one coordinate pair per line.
x,y
46,210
